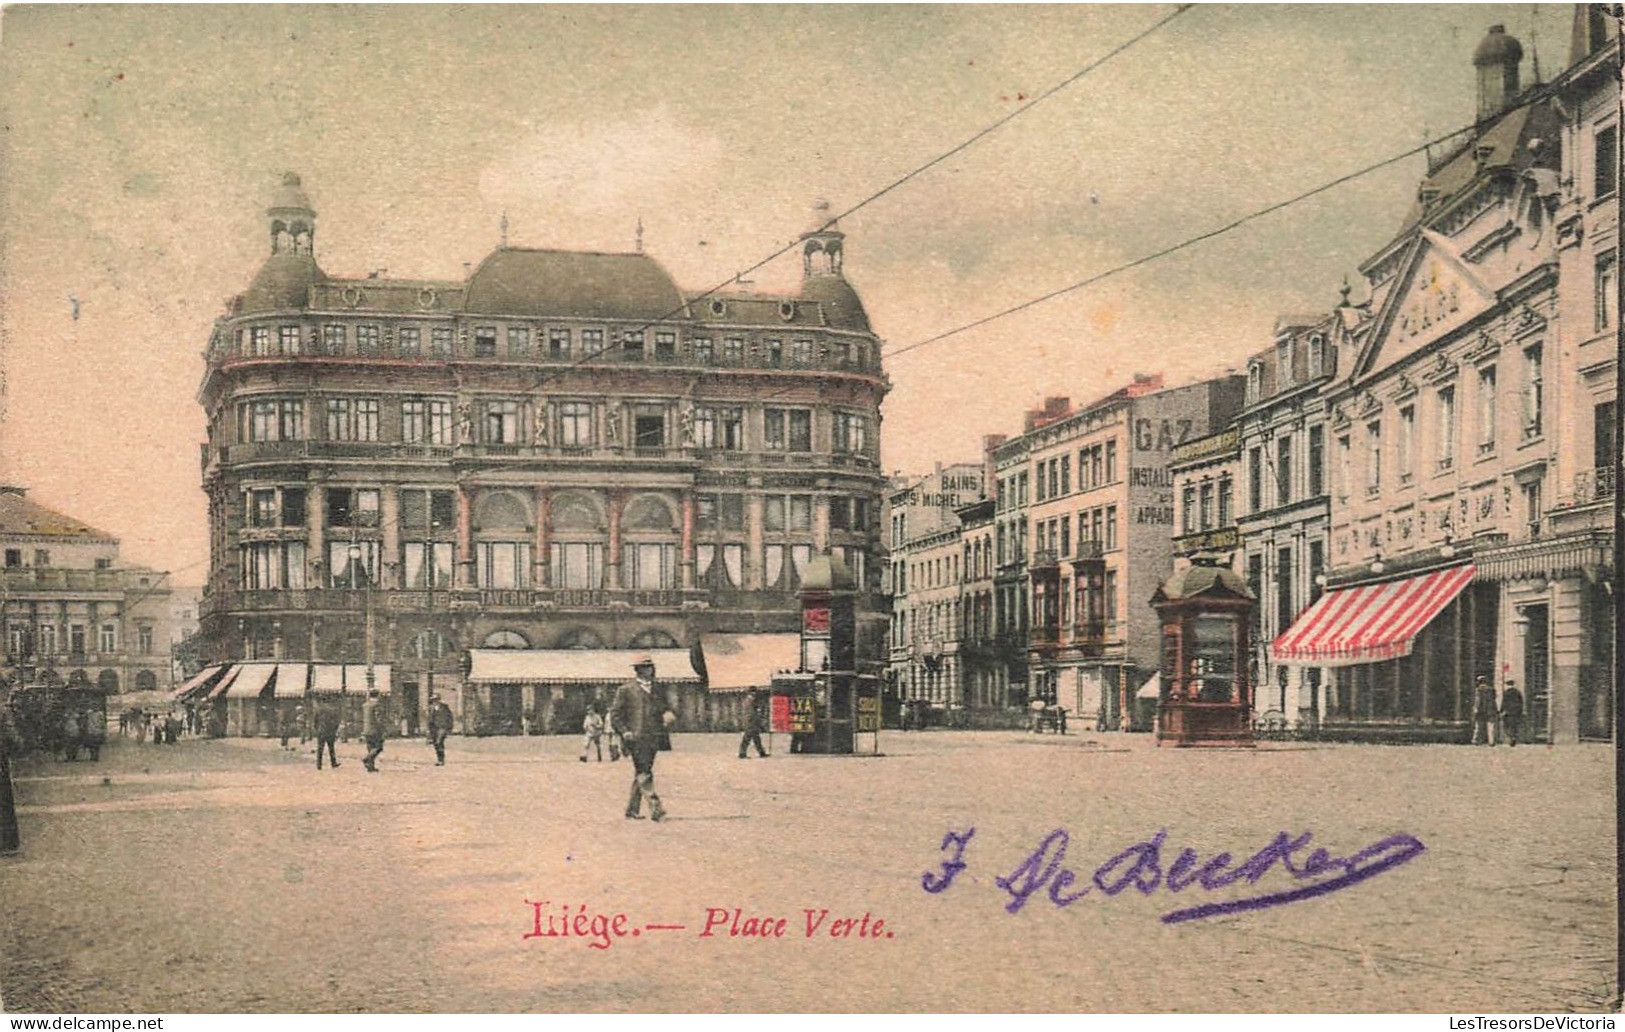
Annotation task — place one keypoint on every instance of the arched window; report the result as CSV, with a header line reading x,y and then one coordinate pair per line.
x,y
146,681
504,640
579,542
650,563
107,681
653,639
580,638
431,644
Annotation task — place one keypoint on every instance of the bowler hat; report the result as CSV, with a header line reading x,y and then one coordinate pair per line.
x,y
643,659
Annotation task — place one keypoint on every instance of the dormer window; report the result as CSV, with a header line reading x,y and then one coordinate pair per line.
x,y
1317,356
1255,382
1283,363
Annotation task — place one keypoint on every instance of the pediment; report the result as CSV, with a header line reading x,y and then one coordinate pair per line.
x,y
1436,293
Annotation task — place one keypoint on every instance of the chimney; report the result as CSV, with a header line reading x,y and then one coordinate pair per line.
x,y
1496,61
990,480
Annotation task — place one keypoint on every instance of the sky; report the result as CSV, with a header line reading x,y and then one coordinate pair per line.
x,y
139,147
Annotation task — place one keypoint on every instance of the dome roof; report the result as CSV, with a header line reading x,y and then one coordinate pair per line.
x,y
1202,579
838,301
291,195
1498,48
284,281
562,284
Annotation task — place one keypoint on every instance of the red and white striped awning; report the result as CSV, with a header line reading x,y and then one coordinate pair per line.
x,y
1371,622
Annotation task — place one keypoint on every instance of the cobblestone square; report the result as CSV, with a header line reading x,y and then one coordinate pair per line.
x,y
228,875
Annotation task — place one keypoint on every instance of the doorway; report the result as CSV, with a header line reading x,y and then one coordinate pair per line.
x,y
1537,654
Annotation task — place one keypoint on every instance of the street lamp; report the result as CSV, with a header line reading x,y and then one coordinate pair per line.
x,y
1377,565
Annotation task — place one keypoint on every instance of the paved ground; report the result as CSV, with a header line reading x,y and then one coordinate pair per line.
x,y
230,876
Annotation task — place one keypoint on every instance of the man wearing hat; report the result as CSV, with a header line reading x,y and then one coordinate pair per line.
x,y
640,713
1511,712
1483,711
372,729
440,722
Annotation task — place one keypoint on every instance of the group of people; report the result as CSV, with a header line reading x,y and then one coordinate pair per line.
x,y
1494,720
374,722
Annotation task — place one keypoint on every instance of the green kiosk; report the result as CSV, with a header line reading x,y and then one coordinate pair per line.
x,y
827,704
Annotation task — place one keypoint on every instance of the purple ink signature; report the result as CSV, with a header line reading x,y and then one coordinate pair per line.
x,y
1141,867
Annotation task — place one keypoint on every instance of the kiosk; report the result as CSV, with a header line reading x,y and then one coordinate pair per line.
x,y
826,704
1206,699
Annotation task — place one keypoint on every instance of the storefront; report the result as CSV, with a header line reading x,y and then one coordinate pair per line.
x,y
548,691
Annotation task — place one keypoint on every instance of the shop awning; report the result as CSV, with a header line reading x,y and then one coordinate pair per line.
x,y
1369,623
251,680
326,679
1151,689
199,683
738,661
290,680
355,678
573,666
222,686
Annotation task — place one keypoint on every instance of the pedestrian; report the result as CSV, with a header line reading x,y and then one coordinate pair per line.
x,y
285,719
172,728
613,734
753,725
1483,711
592,734
327,733
191,719
301,720
72,723
1511,712
372,730
440,722
640,712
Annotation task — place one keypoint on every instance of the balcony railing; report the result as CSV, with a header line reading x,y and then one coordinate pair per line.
x,y
1594,485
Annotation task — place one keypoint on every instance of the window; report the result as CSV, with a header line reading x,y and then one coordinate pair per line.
x,y
1227,491
518,342
104,563
729,573
411,341
14,558
849,433
338,419
76,639
440,342
1605,290
260,341
1317,567
1111,525
1486,409
367,340
665,345
1187,511
1284,611
1255,381
558,343
1532,506
46,636
485,342
502,422
502,564
1111,462
108,637
414,421
1206,506
366,419
1283,364
801,352
352,507
787,429
1109,591
578,565
1444,445
651,567
649,427
1317,461
773,351
294,513
333,338
1602,445
1283,470
632,345
287,340
722,429
1066,474
1405,442
1317,356
1373,449
1532,391
733,349
419,574
262,508
1345,471
143,639
703,350
1605,168
1066,536
42,557
592,341
575,424
1255,479
291,419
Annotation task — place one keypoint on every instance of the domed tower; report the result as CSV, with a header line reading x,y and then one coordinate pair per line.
x,y
293,220
822,249
1496,60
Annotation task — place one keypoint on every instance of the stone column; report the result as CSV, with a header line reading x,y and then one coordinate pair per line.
x,y
315,524
753,540
389,505
542,542
617,500
820,524
464,562
685,558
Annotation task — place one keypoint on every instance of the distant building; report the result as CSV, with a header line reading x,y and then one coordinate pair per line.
x,y
562,451
72,610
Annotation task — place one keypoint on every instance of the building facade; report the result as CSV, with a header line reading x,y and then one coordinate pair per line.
x,y
72,610
563,450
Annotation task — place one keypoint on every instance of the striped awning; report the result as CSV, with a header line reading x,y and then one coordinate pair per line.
x,y
200,683
251,680
290,681
1369,623
224,684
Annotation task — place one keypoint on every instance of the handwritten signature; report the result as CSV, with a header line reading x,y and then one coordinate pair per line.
x,y
1140,867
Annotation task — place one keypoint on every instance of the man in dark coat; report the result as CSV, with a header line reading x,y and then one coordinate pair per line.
x,y
440,724
753,725
372,730
641,714
1483,711
1511,712
327,732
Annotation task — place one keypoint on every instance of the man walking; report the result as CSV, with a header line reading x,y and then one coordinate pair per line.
x,y
1483,711
753,725
639,713
372,730
592,734
1511,712
327,733
440,721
